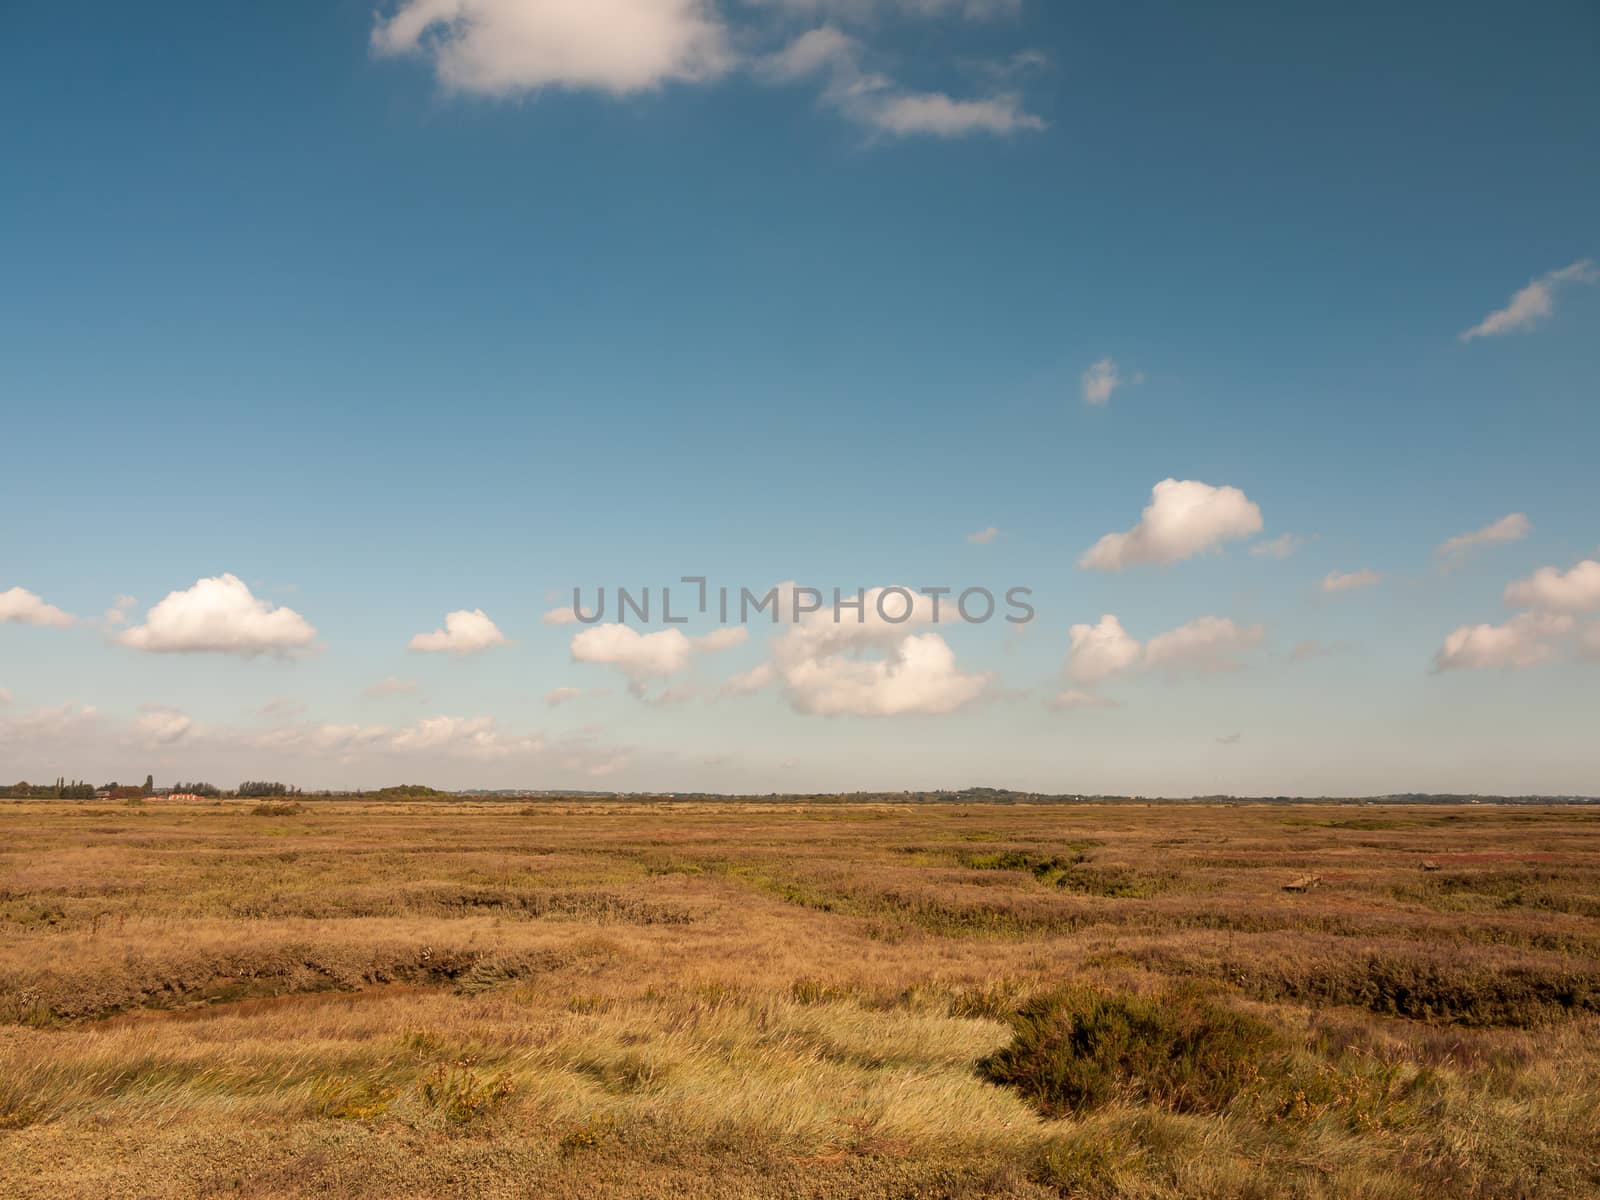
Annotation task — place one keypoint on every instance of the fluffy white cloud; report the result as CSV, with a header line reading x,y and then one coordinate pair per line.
x,y
917,675
640,656
646,656
1336,581
1282,546
219,616
1578,590
556,697
1100,651
1203,646
22,607
1102,379
560,616
507,47
871,667
984,536
1510,528
1533,303
1183,518
464,632
391,686
1520,642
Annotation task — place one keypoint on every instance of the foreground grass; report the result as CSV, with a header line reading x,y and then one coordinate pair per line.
x,y
738,1000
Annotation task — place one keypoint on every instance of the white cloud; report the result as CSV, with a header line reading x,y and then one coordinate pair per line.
x,y
871,667
984,536
1533,303
1520,642
464,632
1183,518
1205,645
1100,651
1336,581
392,686
1547,588
1102,379
876,101
20,606
1510,528
219,616
556,697
5,698
509,47
640,656
1282,546
940,115
158,725
917,675
560,616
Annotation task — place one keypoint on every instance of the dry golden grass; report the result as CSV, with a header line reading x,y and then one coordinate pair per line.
x,y
733,1000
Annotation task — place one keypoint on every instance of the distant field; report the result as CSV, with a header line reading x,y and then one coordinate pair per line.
x,y
696,999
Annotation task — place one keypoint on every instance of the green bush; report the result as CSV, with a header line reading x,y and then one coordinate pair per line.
x,y
1187,1052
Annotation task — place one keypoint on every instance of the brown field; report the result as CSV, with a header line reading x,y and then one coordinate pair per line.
x,y
613,999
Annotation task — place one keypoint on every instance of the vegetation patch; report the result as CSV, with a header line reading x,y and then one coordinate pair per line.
x,y
1078,1050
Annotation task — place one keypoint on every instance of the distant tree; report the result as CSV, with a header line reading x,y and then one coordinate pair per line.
x,y
254,789
208,790
149,784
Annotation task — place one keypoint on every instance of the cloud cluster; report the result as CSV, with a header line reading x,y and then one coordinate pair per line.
x,y
1205,645
876,101
219,616
504,48
1184,518
1574,591
1552,600
20,606
466,631
1533,303
643,657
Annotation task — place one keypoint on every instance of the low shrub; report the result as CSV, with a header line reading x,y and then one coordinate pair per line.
x,y
1076,1050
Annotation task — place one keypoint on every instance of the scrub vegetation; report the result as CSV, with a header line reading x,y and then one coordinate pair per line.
x,y
412,997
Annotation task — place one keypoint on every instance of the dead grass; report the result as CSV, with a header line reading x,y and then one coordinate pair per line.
x,y
401,999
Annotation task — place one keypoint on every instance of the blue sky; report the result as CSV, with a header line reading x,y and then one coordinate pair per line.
x,y
451,306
